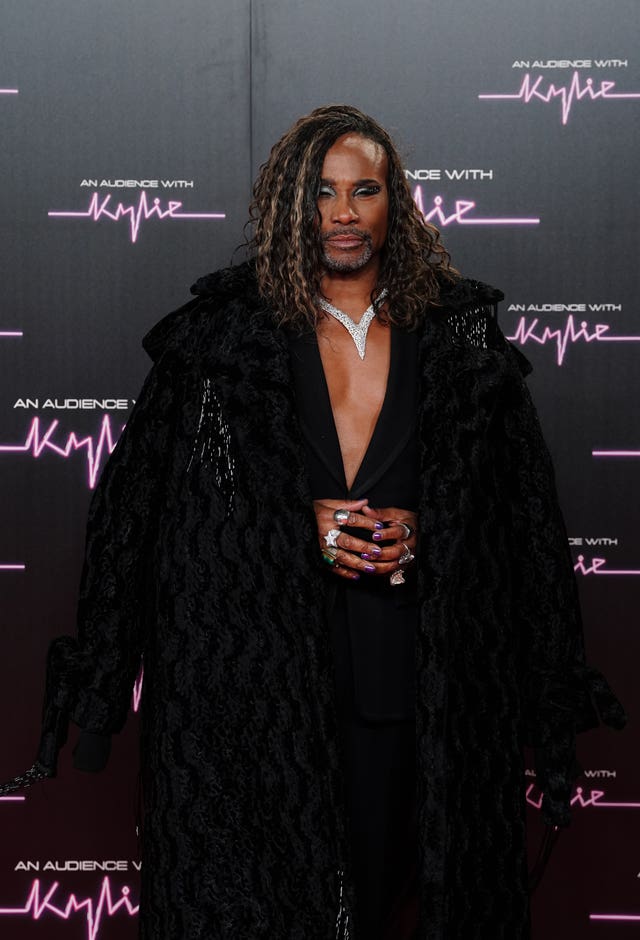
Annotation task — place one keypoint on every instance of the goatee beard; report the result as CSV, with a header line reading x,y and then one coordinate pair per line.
x,y
353,260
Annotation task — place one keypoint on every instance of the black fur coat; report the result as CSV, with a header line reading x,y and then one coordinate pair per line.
x,y
202,560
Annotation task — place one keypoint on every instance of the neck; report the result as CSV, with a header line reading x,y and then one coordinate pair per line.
x,y
350,291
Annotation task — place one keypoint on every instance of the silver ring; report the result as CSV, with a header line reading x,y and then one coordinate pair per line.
x,y
408,531
397,578
341,516
406,556
331,538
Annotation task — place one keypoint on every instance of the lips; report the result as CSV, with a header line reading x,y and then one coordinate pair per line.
x,y
345,241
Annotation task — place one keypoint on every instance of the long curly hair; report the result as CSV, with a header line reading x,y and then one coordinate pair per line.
x,y
284,216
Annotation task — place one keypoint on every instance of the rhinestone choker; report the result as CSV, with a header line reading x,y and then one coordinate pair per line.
x,y
357,331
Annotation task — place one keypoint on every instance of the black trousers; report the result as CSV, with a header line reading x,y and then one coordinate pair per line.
x,y
379,763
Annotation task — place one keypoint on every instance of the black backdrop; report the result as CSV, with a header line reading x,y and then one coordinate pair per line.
x,y
148,120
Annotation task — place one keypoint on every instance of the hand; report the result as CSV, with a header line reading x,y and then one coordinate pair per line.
x,y
394,521
392,515
378,559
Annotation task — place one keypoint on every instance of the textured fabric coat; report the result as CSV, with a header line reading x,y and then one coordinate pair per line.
x,y
202,561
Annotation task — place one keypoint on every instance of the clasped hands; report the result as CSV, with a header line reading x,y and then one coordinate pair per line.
x,y
356,556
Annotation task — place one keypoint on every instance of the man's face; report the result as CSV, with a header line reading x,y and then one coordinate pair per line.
x,y
353,201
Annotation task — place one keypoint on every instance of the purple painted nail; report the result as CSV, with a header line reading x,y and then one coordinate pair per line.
x,y
375,551
377,536
366,556
370,568
379,525
355,577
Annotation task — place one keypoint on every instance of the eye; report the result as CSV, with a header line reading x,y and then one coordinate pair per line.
x,y
325,191
368,190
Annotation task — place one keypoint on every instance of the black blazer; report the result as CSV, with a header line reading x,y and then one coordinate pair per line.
x,y
372,623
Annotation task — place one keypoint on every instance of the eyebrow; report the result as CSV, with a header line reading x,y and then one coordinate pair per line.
x,y
363,182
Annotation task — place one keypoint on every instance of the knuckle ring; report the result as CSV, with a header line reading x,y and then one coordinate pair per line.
x,y
341,516
408,531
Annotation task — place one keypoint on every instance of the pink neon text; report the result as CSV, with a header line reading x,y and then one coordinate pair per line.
x,y
533,88
38,441
41,901
101,207
570,333
437,214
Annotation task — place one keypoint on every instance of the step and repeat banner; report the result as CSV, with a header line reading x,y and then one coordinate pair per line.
x,y
130,137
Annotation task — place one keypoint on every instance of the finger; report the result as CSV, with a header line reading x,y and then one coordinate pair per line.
x,y
372,567
391,559
356,548
325,513
372,513
350,566
352,543
326,521
400,531
391,514
347,573
357,520
354,562
379,569
332,504
368,551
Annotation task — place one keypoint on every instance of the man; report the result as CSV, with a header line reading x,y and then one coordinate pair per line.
x,y
330,530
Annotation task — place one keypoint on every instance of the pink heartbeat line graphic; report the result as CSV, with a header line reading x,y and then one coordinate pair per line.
x,y
620,917
596,567
137,691
8,91
615,453
41,902
38,441
101,207
11,567
581,798
12,799
463,207
568,94
562,336
5,334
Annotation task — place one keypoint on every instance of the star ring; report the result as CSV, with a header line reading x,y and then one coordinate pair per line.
x,y
331,538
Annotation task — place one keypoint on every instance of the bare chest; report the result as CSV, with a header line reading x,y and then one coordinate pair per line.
x,y
357,387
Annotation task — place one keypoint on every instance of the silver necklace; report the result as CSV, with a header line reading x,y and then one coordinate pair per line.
x,y
357,331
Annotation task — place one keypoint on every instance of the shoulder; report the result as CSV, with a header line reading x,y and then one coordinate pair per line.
x,y
460,292
468,310
223,303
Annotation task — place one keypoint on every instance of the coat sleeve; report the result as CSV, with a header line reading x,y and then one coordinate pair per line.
x,y
561,694
90,677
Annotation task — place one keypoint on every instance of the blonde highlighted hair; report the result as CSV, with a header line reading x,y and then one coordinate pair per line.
x,y
285,240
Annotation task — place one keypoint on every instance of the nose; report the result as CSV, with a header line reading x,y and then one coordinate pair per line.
x,y
344,210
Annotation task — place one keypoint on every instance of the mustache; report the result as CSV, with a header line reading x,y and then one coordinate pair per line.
x,y
346,230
